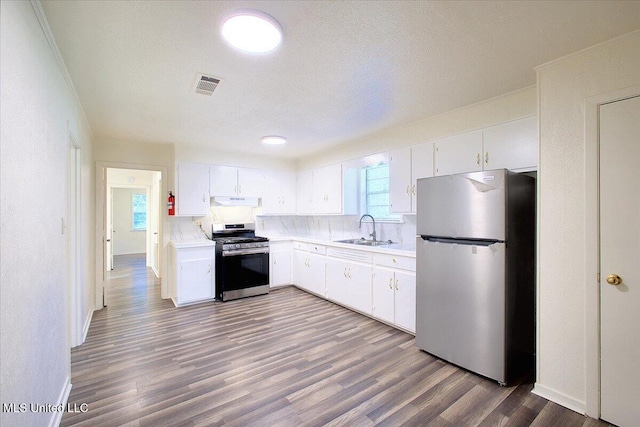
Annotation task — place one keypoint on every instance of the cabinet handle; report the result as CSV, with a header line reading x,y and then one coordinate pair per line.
x,y
408,189
397,289
203,198
478,159
209,271
391,283
413,190
394,260
344,273
486,158
239,189
349,274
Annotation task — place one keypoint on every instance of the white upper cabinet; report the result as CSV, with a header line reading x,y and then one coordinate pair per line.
x,y
459,153
421,167
327,190
304,192
279,196
230,181
320,191
512,145
223,181
406,166
192,189
400,180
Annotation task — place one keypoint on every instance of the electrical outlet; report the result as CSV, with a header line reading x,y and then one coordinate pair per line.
x,y
199,223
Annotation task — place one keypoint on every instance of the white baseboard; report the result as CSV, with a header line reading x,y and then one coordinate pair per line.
x,y
560,398
56,416
85,328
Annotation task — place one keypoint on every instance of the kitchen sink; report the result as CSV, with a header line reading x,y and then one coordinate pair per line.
x,y
363,242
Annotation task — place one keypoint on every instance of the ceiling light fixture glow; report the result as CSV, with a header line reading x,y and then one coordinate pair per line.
x,y
274,140
252,31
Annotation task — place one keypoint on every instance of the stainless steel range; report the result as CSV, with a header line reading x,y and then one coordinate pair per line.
x,y
242,261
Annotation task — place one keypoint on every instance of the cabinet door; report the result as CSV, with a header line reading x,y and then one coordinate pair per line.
x,y
337,280
304,192
459,153
299,269
358,287
421,167
279,196
512,145
280,270
405,300
383,291
288,192
250,182
223,181
195,280
327,190
192,197
400,180
316,274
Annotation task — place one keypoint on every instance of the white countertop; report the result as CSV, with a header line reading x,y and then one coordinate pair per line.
x,y
191,243
404,249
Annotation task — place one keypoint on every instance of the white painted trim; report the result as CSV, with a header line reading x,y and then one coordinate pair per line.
x,y
588,50
85,327
559,398
539,176
592,243
56,416
44,25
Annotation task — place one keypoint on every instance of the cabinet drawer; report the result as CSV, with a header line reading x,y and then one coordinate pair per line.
x,y
282,246
394,261
317,249
301,246
350,255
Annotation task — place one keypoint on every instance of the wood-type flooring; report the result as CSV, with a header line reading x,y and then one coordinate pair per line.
x,y
283,359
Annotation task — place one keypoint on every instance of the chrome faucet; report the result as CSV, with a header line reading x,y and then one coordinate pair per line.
x,y
373,235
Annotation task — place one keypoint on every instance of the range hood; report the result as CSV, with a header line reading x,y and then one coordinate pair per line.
x,y
236,201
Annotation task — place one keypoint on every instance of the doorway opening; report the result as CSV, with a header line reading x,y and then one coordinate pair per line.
x,y
130,222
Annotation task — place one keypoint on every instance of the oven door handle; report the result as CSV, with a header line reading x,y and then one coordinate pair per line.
x,y
245,252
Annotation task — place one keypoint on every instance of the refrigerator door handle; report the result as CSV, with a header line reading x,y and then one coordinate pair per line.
x,y
455,241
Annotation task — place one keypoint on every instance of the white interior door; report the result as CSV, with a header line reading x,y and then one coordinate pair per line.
x,y
620,262
109,241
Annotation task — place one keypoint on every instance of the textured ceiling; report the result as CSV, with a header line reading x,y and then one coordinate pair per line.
x,y
344,70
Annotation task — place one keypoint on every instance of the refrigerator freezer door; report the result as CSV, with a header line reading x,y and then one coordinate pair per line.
x,y
470,205
460,316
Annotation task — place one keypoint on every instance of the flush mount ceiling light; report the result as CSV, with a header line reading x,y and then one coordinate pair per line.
x,y
252,31
274,140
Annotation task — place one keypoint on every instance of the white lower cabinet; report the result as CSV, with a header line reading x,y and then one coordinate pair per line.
x,y
349,282
280,254
380,285
309,268
192,273
394,291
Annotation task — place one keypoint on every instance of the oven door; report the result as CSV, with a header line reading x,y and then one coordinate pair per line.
x,y
242,273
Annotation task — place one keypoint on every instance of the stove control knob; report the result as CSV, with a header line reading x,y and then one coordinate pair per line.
x,y
237,246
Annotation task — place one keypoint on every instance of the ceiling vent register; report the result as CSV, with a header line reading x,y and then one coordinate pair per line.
x,y
205,85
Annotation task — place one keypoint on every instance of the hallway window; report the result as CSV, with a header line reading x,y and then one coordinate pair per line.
x,y
139,204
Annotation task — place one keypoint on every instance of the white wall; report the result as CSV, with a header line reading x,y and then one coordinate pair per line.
x,y
125,240
564,86
219,157
38,111
145,156
496,110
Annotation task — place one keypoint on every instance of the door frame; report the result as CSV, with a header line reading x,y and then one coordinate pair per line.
x,y
592,242
74,243
100,228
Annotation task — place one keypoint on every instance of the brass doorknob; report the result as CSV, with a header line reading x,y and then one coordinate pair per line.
x,y
614,279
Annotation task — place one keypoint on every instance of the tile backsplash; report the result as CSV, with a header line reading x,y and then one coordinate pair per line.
x,y
335,227
325,227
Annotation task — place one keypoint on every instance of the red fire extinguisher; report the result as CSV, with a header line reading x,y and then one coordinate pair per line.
x,y
171,204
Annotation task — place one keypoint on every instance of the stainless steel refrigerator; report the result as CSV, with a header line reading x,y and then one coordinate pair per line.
x,y
476,271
